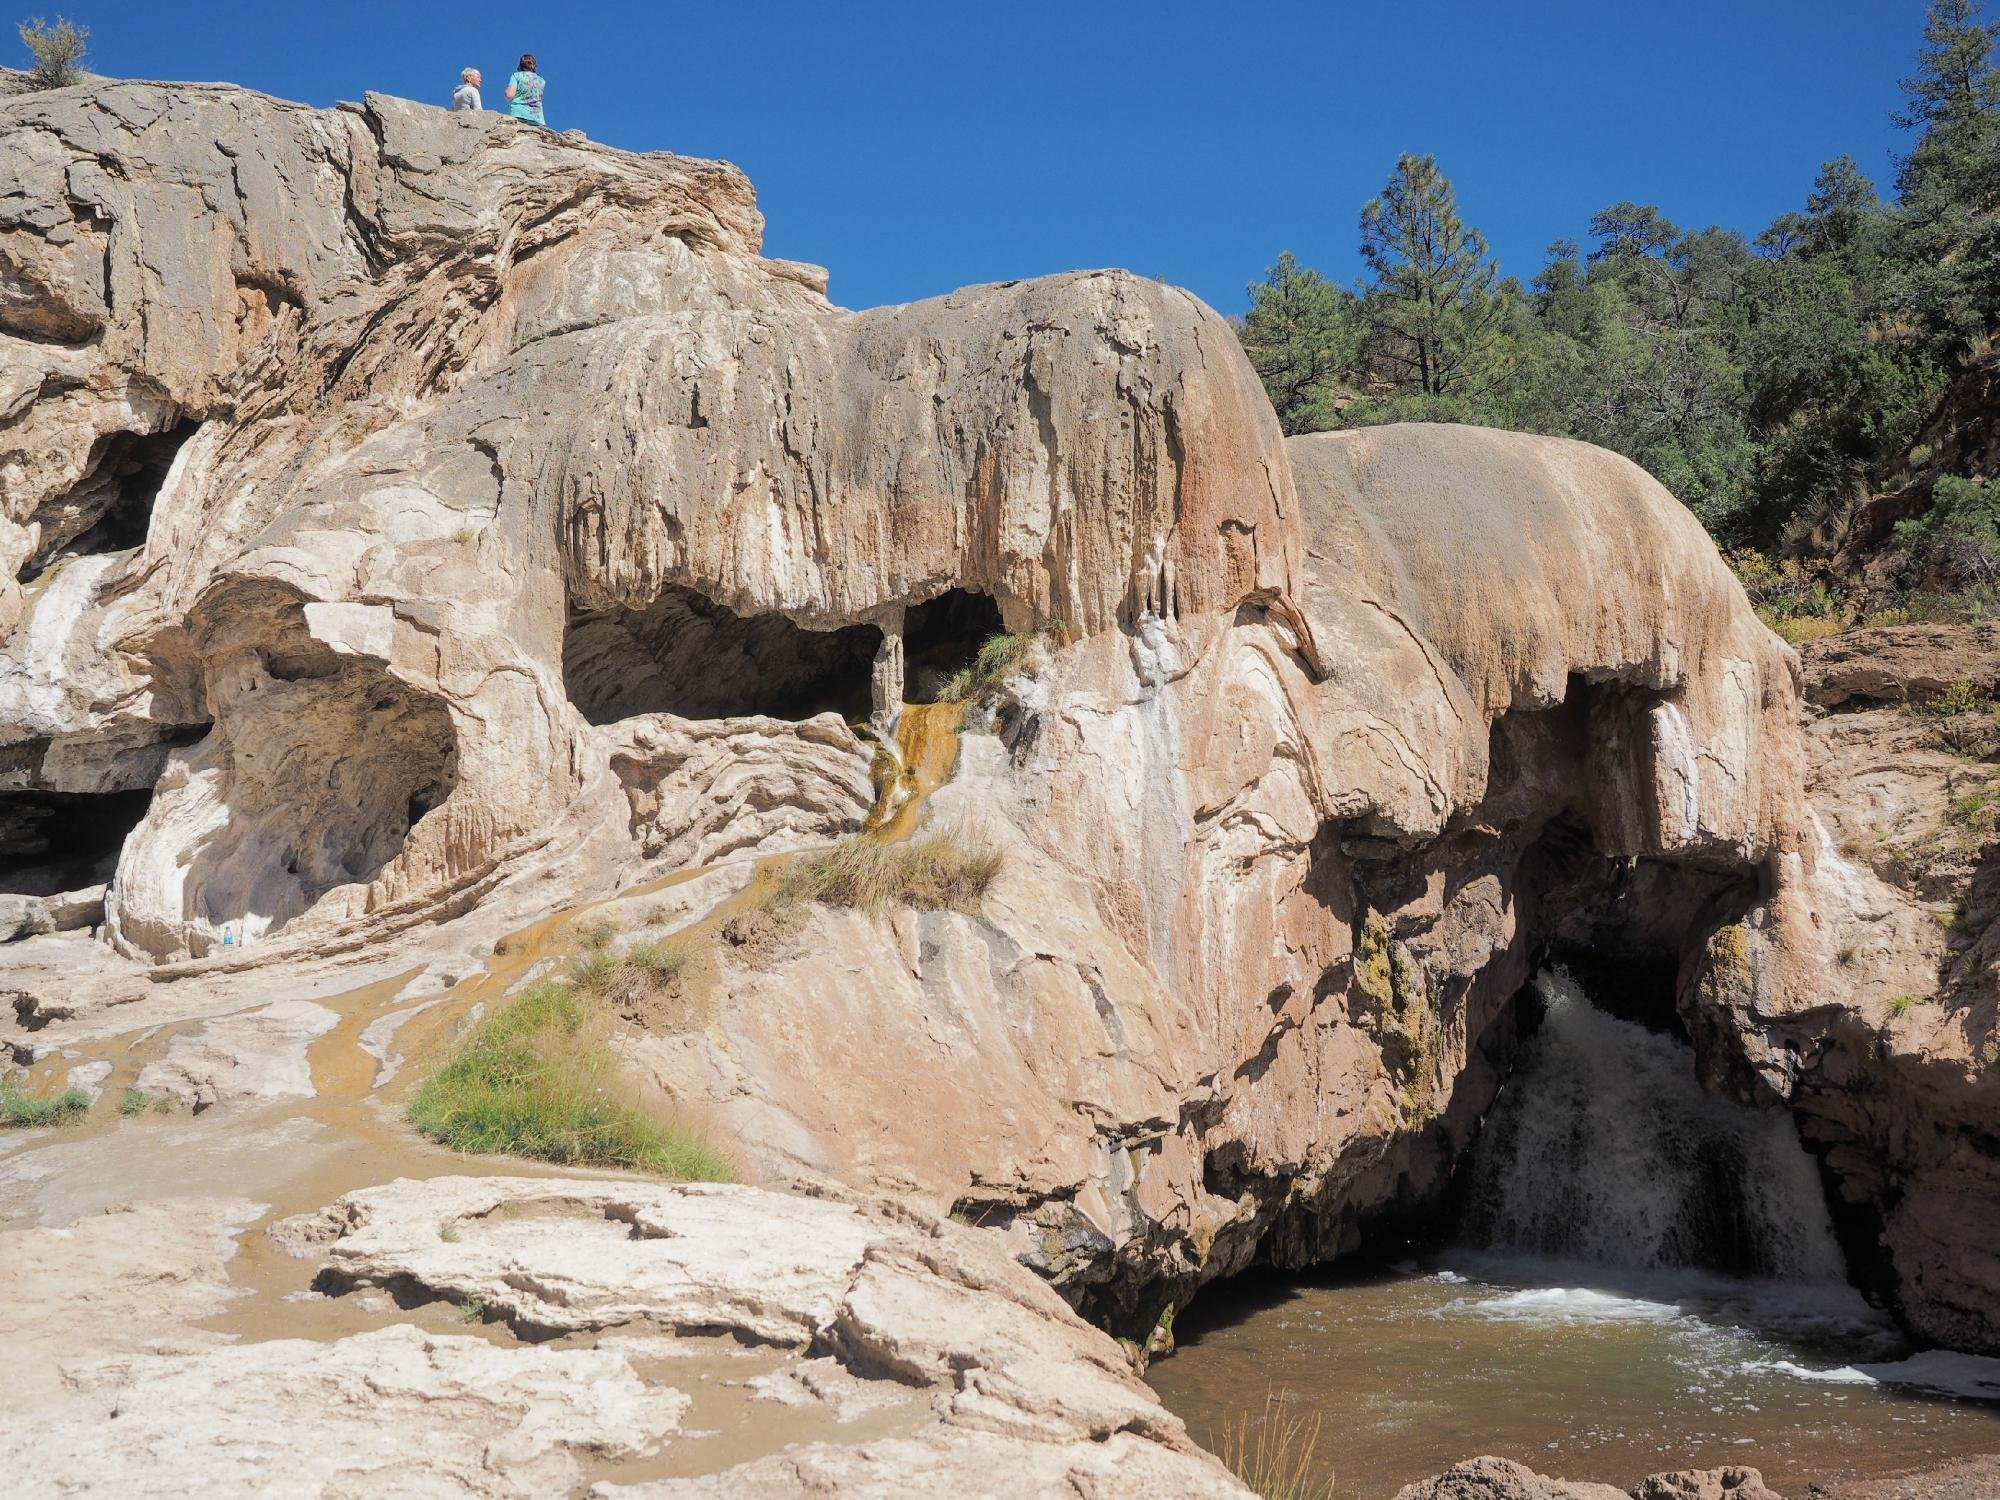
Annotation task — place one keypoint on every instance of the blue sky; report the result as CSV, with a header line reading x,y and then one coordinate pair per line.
x,y
913,148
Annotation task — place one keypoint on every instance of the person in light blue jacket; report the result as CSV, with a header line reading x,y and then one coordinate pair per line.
x,y
524,91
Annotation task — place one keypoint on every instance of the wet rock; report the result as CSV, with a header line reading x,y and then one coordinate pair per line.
x,y
1503,1479
255,1055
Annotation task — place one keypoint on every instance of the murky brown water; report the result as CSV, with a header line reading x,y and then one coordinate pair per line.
x,y
1575,1373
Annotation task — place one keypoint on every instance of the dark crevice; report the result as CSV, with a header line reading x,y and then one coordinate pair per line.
x,y
111,507
64,841
689,656
942,637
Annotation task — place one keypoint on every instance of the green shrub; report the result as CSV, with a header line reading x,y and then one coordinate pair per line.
x,y
58,49
1902,1005
1959,536
1961,697
18,1107
537,1079
933,873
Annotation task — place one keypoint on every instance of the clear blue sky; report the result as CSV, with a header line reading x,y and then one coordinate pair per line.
x,y
913,148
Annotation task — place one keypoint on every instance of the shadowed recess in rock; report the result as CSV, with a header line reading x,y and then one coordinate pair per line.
x,y
689,656
942,636
54,841
111,507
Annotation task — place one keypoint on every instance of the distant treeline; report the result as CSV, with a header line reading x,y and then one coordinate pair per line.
x,y
1775,385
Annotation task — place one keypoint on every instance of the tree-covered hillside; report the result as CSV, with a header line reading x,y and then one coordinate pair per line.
x,y
1826,397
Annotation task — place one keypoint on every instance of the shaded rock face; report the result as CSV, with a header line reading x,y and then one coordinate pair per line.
x,y
1865,991
410,506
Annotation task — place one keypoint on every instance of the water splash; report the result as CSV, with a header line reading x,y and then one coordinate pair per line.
x,y
1604,1149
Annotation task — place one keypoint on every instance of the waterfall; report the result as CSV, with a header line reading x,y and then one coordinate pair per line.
x,y
1603,1148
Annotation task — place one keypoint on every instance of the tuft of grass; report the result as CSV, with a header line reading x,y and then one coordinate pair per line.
x,y
537,1079
471,1310
595,935
592,970
18,1107
448,1233
134,1102
998,656
1276,1454
933,873
653,962
1902,1005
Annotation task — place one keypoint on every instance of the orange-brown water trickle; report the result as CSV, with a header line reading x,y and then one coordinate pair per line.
x,y
926,752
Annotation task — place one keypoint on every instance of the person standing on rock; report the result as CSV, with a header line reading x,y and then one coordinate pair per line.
x,y
524,91
466,95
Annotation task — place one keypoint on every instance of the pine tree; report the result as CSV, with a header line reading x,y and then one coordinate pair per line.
x,y
1298,334
1955,78
1433,310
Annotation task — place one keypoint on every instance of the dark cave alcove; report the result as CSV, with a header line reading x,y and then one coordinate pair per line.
x,y
64,841
942,637
689,656
111,508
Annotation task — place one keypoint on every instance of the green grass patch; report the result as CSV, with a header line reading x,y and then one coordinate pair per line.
x,y
537,1079
18,1107
1902,1005
933,873
998,656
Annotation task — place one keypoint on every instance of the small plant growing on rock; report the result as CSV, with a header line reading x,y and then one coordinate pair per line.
x,y
134,1102
998,656
448,1233
58,49
934,873
18,1107
471,1310
1961,697
1902,1005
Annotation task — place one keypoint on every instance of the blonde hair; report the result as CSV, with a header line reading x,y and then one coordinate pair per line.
x,y
470,75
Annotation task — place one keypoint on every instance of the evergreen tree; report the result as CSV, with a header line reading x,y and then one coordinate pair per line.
x,y
1300,338
1433,310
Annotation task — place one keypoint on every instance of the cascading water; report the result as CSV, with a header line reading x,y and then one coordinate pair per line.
x,y
1603,1148
1647,1280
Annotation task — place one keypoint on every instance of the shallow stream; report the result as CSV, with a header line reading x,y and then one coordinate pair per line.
x,y
1647,1281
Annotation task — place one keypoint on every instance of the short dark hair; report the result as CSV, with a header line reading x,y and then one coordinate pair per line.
x,y
527,63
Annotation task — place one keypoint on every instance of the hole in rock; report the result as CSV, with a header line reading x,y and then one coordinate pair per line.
x,y
111,507
942,636
689,656
64,841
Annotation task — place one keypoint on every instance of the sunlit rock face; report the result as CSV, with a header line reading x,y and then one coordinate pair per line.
x,y
345,449
399,507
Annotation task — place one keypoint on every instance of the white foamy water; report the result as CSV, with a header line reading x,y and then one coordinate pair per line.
x,y
1604,1149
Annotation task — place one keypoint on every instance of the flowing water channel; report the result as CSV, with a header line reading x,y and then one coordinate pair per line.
x,y
1647,1280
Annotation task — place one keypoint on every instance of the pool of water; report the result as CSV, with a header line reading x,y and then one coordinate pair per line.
x,y
1582,1371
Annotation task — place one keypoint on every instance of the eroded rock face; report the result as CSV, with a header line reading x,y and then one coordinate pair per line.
x,y
510,525
470,399
1865,991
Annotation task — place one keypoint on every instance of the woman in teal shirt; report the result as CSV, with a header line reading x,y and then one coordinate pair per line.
x,y
524,92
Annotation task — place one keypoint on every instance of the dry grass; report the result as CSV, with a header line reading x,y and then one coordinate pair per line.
x,y
1799,629
537,1079
1277,1454
998,656
933,873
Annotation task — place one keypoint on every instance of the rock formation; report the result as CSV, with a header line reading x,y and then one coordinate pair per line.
x,y
414,525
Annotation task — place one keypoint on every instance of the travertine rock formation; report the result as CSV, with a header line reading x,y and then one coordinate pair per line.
x,y
415,524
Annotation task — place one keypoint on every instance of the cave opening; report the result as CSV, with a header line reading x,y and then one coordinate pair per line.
x,y
942,637
52,842
111,508
689,656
